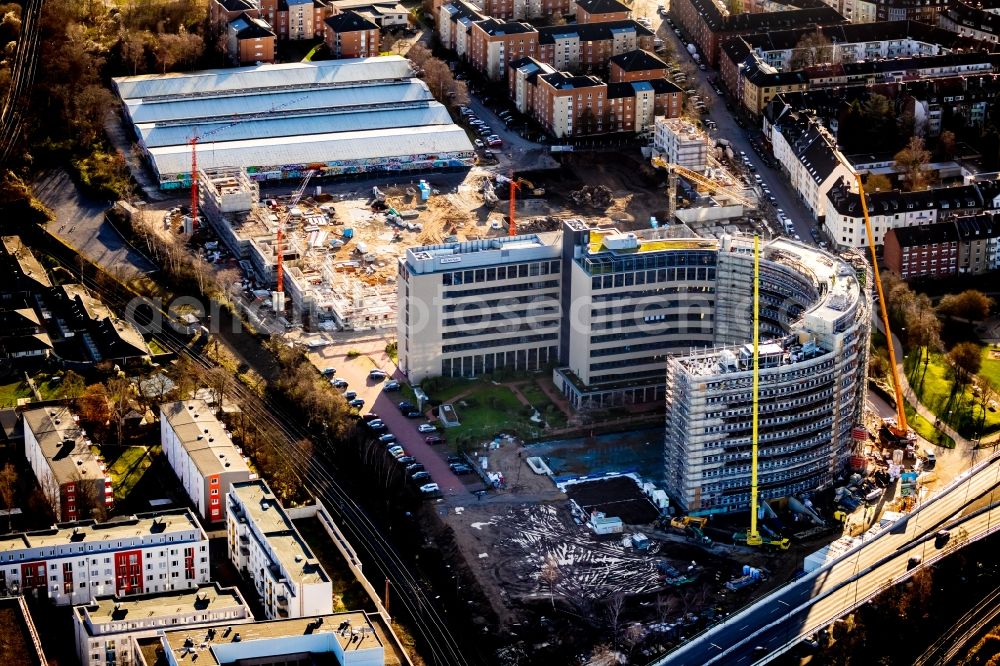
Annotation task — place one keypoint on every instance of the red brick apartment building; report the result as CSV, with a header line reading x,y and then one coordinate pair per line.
x,y
296,19
222,12
494,44
249,41
595,11
922,251
636,65
350,35
518,10
588,47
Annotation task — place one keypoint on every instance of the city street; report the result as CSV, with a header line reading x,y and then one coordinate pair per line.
x,y
780,188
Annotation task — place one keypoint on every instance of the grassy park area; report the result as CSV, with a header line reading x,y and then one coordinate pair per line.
x,y
955,405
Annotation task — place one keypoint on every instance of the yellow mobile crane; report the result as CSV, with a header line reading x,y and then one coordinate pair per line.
x,y
753,537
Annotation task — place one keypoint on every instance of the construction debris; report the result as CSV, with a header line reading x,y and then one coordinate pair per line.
x,y
593,196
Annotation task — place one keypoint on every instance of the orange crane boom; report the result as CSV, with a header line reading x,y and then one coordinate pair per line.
x,y
902,428
514,185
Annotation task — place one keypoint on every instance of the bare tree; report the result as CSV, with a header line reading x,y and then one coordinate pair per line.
x,y
119,392
551,575
8,489
913,161
814,48
613,608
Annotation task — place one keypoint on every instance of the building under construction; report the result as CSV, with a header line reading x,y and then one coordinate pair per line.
x,y
815,326
328,285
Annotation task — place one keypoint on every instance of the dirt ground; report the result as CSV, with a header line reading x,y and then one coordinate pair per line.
x,y
618,496
522,483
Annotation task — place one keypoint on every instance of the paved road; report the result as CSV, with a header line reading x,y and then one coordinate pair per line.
x,y
780,188
798,609
81,223
516,153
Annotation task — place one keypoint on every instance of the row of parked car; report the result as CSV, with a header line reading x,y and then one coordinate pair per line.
x,y
481,128
414,471
352,396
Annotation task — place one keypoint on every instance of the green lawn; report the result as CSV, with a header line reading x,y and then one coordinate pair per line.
x,y
935,388
9,393
926,429
487,410
128,468
554,417
991,367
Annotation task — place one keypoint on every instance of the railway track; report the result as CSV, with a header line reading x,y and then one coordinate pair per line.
x,y
410,592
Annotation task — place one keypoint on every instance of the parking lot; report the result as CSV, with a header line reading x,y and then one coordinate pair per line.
x,y
352,359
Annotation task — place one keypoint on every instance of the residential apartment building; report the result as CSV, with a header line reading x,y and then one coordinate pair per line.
x,y
105,627
520,10
807,153
977,20
709,25
295,19
341,639
816,325
350,35
384,14
590,46
494,44
844,221
267,549
70,475
636,65
595,11
979,243
26,277
568,105
202,455
929,250
73,564
680,142
222,12
926,11
250,41
454,25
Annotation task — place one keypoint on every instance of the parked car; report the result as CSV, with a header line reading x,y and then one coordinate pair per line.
x,y
329,372
414,467
377,374
434,439
494,141
430,489
420,477
406,406
413,414
455,459
478,143
357,403
376,425
396,451
426,427
369,417
339,383
406,460
391,385
460,469
387,438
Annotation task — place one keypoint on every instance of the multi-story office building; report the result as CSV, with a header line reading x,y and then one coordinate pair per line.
x,y
105,627
73,564
815,326
267,549
71,476
471,308
603,309
202,455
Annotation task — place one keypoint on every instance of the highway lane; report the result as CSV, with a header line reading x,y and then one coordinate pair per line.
x,y
740,633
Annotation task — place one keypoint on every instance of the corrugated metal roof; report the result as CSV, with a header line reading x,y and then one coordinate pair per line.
x,y
428,113
317,148
285,75
213,108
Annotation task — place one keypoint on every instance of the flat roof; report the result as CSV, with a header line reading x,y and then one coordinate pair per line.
x,y
203,437
291,550
239,80
88,531
352,630
402,114
64,444
266,104
318,148
206,598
